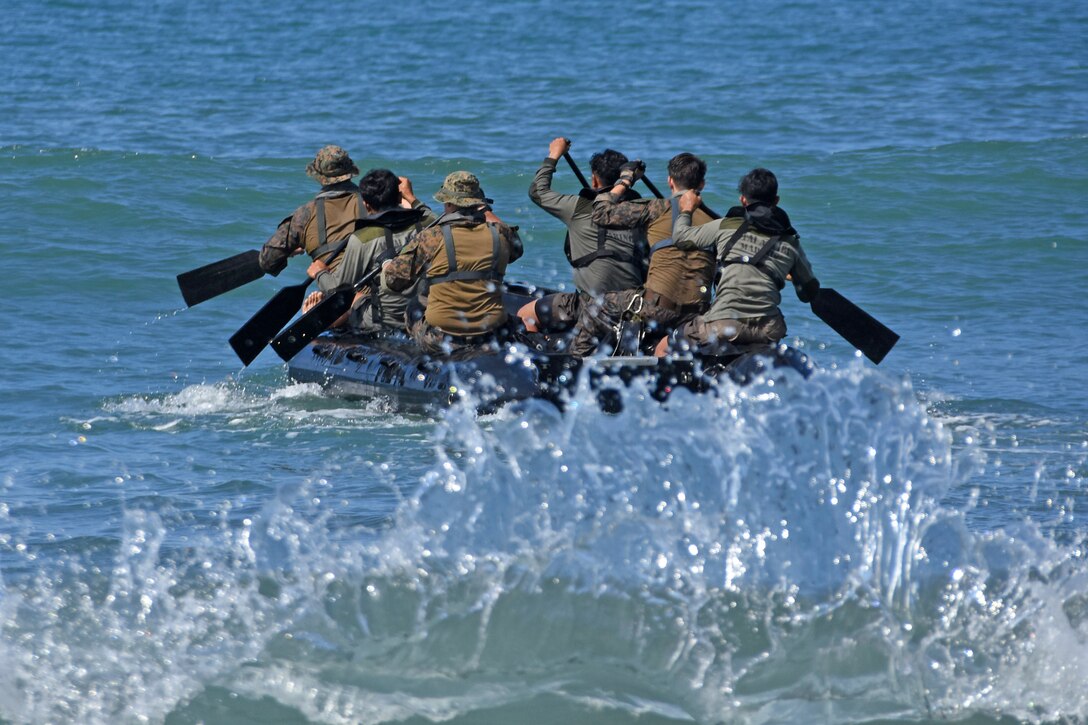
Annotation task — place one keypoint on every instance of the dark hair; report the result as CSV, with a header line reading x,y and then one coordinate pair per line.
x,y
759,185
380,189
687,170
606,165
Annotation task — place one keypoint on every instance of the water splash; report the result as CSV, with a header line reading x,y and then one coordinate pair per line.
x,y
778,552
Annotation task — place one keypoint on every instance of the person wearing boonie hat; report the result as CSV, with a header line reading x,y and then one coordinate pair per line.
x,y
321,226
463,259
462,190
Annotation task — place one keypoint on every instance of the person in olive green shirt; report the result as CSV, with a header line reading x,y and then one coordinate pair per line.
x,y
758,250
603,260
394,216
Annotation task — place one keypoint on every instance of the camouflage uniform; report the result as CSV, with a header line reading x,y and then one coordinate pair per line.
x,y
625,269
676,289
472,310
333,169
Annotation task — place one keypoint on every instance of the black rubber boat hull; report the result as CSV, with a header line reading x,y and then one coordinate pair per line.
x,y
391,367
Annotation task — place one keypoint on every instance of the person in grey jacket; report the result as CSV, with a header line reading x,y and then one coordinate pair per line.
x,y
393,216
758,250
604,260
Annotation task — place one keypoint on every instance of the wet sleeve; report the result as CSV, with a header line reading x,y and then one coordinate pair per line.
x,y
804,281
289,236
561,206
352,266
609,211
428,214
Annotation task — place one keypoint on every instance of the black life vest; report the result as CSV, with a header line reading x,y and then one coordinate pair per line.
x,y
768,220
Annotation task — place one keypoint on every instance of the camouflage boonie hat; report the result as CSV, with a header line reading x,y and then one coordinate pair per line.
x,y
331,165
462,189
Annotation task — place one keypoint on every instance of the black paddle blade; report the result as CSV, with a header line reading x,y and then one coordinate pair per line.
x,y
212,280
255,335
856,326
292,340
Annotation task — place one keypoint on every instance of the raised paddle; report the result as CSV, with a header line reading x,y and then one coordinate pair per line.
x,y
259,330
212,280
291,341
855,325
576,170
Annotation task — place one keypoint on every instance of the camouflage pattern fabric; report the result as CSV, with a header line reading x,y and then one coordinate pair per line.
x,y
418,253
713,336
331,165
290,235
615,212
597,321
462,188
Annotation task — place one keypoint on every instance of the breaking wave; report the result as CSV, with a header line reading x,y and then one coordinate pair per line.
x,y
779,552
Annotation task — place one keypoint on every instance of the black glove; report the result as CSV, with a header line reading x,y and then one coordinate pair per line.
x,y
631,172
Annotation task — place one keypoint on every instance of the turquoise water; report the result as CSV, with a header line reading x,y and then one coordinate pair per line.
x,y
185,541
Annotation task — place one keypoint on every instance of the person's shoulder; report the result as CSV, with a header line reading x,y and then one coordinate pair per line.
x,y
367,235
434,232
506,230
306,207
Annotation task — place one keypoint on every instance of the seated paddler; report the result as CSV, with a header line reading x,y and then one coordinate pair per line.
x,y
678,280
461,261
757,251
321,226
393,216
603,259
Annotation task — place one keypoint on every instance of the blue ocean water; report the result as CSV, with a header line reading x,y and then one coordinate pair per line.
x,y
185,541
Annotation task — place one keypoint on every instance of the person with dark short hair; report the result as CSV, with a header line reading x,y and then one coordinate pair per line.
x,y
757,251
321,226
603,260
677,286
463,260
393,216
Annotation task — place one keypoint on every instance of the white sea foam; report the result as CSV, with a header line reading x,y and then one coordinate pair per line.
x,y
773,551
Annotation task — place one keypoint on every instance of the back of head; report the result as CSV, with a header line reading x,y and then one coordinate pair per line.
x,y
380,189
606,165
759,185
331,165
688,171
462,190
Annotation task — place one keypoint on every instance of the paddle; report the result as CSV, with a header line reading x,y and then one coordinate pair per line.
x,y
212,280
291,341
259,330
576,170
855,325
